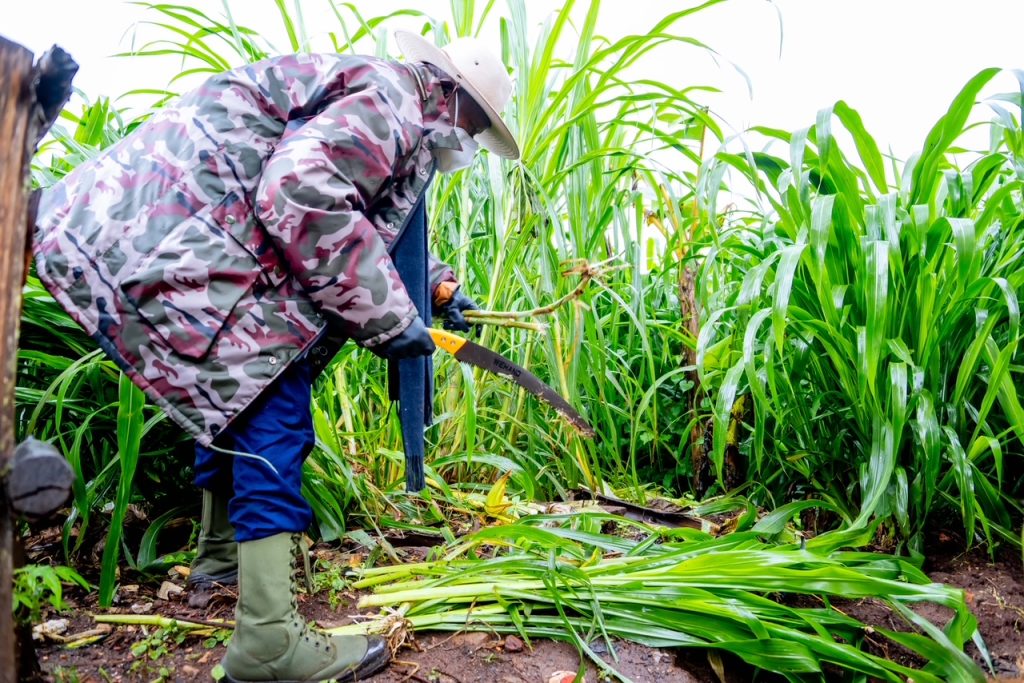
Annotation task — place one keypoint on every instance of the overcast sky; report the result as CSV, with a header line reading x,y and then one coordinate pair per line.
x,y
899,62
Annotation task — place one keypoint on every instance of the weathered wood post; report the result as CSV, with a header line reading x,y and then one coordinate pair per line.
x,y
32,480
15,110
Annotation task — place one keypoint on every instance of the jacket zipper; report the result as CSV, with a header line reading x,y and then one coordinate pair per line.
x,y
409,214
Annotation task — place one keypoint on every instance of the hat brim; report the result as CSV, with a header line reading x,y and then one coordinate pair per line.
x,y
498,138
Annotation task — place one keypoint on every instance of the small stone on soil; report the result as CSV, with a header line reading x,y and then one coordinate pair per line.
x,y
513,644
565,677
473,639
168,589
49,629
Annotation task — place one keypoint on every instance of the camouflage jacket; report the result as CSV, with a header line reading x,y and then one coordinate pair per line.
x,y
245,225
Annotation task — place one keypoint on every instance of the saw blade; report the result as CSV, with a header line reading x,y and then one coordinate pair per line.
x,y
486,359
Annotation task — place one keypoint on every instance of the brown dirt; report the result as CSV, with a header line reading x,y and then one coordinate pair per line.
x,y
430,658
995,591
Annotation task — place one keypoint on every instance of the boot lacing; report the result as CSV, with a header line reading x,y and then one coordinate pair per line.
x,y
310,635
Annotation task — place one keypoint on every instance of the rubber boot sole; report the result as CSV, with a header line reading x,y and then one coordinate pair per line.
x,y
202,580
371,664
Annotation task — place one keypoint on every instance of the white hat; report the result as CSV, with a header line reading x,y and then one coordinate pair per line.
x,y
475,68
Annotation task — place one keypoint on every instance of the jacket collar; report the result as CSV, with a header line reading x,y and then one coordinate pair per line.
x,y
438,127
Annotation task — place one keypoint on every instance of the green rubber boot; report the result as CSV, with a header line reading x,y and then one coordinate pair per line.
x,y
272,642
216,560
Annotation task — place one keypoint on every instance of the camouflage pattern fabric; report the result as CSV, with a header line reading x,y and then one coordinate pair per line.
x,y
245,225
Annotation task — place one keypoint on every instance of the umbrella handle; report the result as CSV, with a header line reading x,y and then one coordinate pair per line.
x,y
446,340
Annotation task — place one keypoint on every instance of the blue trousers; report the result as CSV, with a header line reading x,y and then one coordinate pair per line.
x,y
263,477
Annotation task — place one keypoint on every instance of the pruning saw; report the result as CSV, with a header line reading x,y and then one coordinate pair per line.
x,y
485,359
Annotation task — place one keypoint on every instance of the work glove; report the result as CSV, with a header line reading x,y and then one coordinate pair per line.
x,y
452,311
414,341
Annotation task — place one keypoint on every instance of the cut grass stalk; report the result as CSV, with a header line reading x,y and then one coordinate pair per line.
x,y
738,594
161,621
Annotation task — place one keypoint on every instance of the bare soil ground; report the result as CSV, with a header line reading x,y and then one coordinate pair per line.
x,y
431,658
135,653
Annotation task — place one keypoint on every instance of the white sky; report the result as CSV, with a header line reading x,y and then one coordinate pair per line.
x,y
899,62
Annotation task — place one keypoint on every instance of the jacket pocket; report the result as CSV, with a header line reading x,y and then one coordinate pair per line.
x,y
187,287
236,216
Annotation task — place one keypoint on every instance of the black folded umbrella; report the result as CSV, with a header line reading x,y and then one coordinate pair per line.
x,y
411,380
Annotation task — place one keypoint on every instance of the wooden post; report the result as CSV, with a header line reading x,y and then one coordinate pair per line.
x,y
16,100
30,99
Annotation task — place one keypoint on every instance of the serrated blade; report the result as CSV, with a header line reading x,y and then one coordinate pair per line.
x,y
485,359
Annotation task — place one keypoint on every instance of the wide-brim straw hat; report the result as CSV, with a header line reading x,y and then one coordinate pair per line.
x,y
483,75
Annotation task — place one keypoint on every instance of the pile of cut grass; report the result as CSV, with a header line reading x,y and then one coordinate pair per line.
x,y
561,577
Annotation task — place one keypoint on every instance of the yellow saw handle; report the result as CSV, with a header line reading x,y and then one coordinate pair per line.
x,y
446,340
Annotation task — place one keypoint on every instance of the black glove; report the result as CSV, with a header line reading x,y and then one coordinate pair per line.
x,y
452,311
414,341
